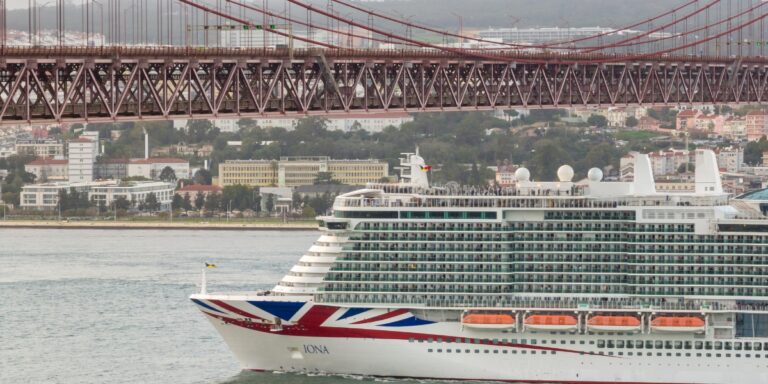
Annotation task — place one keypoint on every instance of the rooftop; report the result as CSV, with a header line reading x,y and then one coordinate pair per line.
x,y
48,161
200,188
158,160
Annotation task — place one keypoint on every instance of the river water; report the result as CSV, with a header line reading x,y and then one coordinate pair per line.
x,y
111,306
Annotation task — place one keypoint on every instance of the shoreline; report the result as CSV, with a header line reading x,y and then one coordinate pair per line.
x,y
112,225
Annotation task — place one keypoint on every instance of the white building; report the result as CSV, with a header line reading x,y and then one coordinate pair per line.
x,y
152,167
370,122
46,196
731,159
82,155
46,169
136,192
40,147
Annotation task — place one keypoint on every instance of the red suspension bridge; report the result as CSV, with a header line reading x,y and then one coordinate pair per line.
x,y
699,52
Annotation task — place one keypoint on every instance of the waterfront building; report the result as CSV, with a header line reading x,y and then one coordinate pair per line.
x,y
296,171
47,169
135,192
45,196
40,147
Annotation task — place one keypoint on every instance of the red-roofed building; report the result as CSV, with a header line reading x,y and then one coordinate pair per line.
x,y
48,169
685,119
194,189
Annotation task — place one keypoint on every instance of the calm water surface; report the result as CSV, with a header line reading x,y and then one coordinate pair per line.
x,y
108,306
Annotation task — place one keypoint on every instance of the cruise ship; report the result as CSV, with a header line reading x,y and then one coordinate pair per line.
x,y
544,282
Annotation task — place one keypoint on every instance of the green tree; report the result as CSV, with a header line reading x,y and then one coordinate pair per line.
x,y
325,178
547,157
167,174
686,166
202,176
177,201
121,203
597,121
186,203
199,200
753,151
631,122
213,202
151,203
240,196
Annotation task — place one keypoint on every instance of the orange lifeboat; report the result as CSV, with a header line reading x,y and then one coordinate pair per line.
x,y
614,323
488,321
551,322
678,324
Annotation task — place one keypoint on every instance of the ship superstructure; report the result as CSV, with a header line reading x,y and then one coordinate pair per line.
x,y
545,282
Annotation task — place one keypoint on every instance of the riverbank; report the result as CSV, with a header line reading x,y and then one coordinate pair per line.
x,y
166,225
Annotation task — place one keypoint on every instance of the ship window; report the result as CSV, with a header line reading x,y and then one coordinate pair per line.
x,y
439,339
649,344
611,344
678,345
758,347
728,346
477,351
629,344
639,344
698,354
429,350
448,350
532,352
410,340
620,344
709,355
737,346
698,345
601,343
669,354
718,345
504,352
429,340
658,344
439,351
708,345
495,351
630,354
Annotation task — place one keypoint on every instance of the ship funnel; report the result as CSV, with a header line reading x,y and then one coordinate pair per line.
x,y
707,172
644,184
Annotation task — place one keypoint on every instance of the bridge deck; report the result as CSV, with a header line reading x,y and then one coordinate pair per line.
x,y
89,84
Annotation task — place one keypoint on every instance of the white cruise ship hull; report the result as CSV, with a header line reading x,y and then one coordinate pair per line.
x,y
377,342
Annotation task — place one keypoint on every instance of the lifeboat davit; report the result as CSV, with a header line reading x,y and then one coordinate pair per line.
x,y
688,324
488,321
614,323
551,322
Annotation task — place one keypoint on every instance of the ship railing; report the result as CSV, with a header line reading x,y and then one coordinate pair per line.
x,y
473,201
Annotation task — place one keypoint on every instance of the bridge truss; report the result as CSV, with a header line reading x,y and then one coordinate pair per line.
x,y
112,84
